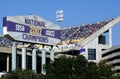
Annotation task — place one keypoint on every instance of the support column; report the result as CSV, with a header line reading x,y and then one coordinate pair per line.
x,y
110,37
27,62
18,61
23,58
14,56
8,58
43,61
34,60
52,55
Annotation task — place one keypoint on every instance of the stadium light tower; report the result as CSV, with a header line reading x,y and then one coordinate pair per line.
x,y
59,16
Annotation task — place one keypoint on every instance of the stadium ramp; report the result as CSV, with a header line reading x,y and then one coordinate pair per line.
x,y
100,31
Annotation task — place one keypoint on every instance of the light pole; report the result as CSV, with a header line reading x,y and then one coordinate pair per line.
x,y
59,16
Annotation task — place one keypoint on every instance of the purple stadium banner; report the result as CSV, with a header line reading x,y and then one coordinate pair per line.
x,y
31,30
16,27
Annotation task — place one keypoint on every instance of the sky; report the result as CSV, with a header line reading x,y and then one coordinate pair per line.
x,y
76,12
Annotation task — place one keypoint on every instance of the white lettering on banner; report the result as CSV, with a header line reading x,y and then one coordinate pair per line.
x,y
20,27
60,48
65,47
35,38
34,22
50,33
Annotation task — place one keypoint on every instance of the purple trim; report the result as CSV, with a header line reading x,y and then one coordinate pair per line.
x,y
4,21
56,33
11,26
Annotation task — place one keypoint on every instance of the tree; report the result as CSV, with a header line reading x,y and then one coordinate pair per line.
x,y
79,68
105,70
20,74
62,67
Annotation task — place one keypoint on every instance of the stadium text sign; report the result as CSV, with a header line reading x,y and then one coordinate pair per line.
x,y
31,29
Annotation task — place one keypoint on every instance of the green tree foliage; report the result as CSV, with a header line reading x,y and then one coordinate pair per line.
x,y
20,74
62,67
105,70
78,68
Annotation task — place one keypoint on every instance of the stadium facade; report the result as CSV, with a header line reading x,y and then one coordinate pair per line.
x,y
89,40
113,56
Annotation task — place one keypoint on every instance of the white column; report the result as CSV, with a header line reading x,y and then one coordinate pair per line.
x,y
23,58
8,58
52,56
14,56
34,60
43,61
110,37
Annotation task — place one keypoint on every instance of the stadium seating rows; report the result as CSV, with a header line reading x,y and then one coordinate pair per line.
x,y
80,32
5,42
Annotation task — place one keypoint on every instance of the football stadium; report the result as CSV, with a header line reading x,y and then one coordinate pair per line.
x,y
29,42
